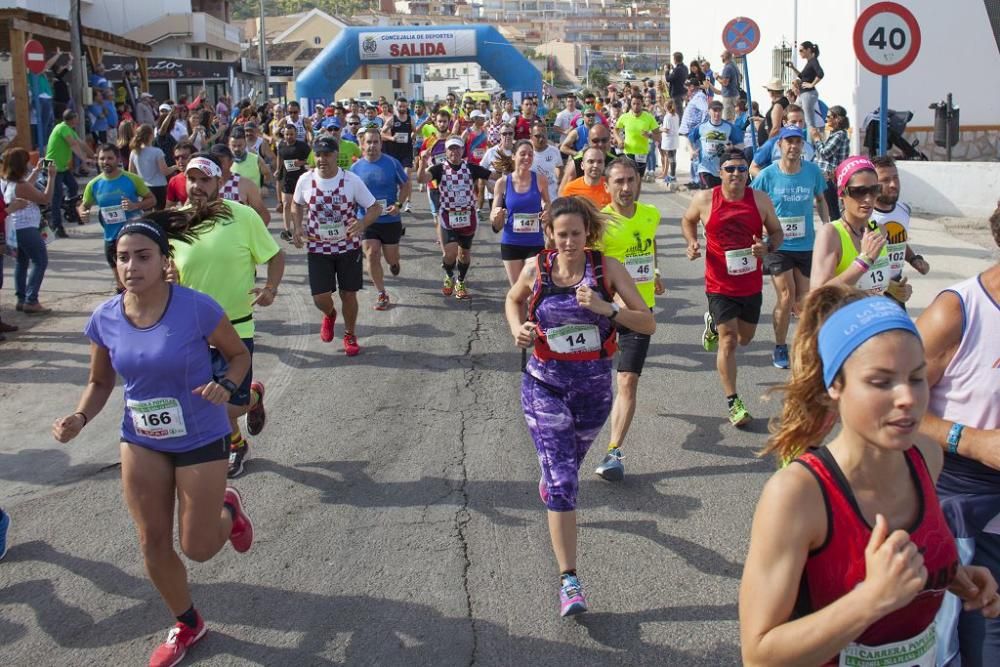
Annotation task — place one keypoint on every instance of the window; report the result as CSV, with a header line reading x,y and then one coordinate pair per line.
x,y
779,56
195,51
218,54
317,40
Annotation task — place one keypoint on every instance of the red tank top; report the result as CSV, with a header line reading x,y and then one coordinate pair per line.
x,y
838,566
730,228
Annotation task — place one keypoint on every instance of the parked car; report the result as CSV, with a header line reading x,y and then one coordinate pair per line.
x,y
626,75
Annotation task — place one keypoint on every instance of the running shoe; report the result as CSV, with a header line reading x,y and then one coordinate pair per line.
x,y
406,207
571,599
738,414
448,286
611,468
461,292
709,337
256,417
237,456
394,269
351,347
382,301
179,640
779,358
241,536
4,527
7,328
543,490
326,329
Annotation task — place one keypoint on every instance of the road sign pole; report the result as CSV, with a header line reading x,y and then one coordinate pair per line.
x,y
883,121
746,84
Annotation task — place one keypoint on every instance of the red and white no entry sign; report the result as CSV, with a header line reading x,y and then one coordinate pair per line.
x,y
34,56
741,36
886,38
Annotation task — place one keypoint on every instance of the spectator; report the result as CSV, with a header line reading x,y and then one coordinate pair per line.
x,y
63,144
126,133
182,128
676,79
19,184
774,120
145,110
222,107
809,77
729,82
694,115
148,162
830,152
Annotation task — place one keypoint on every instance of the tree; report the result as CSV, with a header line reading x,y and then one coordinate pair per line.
x,y
244,9
598,78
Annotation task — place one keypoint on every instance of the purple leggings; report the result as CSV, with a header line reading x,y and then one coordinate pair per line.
x,y
563,423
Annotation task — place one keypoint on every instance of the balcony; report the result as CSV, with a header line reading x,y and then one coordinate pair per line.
x,y
197,28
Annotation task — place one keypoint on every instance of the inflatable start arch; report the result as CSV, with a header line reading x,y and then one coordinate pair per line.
x,y
377,45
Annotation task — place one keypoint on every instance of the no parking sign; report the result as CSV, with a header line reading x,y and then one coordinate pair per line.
x,y
740,37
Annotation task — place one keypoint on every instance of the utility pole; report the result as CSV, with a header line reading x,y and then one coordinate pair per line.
x,y
263,54
78,75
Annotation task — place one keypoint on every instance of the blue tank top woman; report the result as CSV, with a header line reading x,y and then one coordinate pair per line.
x,y
523,226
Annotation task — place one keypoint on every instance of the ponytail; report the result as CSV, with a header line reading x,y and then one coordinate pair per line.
x,y
184,225
807,414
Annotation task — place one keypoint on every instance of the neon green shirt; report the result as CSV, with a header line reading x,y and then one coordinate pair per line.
x,y
634,126
249,168
58,149
632,241
222,262
349,154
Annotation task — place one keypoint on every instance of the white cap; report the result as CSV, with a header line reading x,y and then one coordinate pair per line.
x,y
204,165
166,107
454,141
477,114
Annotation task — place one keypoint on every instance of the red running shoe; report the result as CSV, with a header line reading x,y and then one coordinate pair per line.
x,y
256,417
179,640
351,346
326,329
241,536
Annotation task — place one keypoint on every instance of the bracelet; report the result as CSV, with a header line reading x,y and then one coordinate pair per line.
x,y
954,435
911,260
859,262
656,272
82,414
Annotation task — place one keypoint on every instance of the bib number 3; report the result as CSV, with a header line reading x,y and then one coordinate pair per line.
x,y
740,262
157,418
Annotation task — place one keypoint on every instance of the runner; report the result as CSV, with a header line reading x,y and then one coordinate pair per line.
x,y
855,574
235,188
735,218
959,331
397,138
592,185
520,198
222,263
630,238
293,156
709,141
564,119
177,185
548,160
497,158
386,179
793,186
527,118
120,196
328,199
251,168
636,129
460,187
303,127
566,388
852,250
599,137
894,217
174,430
475,138
433,153
769,152
577,137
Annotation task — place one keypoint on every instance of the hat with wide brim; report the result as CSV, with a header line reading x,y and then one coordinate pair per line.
x,y
775,84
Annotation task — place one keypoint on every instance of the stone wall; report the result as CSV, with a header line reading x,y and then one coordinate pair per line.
x,y
979,144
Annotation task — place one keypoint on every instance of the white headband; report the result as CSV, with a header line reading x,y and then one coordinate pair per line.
x,y
205,165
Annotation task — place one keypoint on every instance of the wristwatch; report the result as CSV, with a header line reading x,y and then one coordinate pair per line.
x,y
615,309
228,385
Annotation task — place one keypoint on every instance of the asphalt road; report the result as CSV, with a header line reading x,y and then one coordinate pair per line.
x,y
394,494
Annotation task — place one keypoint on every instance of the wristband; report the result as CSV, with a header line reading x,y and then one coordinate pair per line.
x,y
864,267
84,415
863,261
911,260
954,435
228,385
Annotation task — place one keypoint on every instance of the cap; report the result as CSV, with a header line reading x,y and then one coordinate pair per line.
x,y
477,114
332,122
204,165
319,106
791,132
715,104
775,84
166,108
325,145
454,141
330,111
149,95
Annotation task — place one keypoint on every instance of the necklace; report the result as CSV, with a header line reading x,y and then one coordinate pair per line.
x,y
853,231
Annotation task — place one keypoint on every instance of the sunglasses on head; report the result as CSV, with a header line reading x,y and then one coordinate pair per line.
x,y
733,168
862,191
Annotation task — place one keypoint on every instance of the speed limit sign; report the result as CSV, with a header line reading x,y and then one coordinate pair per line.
x,y
886,38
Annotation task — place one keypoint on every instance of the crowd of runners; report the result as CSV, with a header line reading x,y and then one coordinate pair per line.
x,y
896,510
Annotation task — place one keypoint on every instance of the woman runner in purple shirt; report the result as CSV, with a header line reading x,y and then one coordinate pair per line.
x,y
573,298
175,432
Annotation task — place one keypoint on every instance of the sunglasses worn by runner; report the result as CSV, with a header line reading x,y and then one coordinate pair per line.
x,y
862,191
733,168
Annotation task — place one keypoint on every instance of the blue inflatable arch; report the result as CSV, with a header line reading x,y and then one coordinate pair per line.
x,y
377,45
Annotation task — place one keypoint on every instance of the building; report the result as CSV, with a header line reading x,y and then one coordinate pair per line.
x,y
441,79
971,73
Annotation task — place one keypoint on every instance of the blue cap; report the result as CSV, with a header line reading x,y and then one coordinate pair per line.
x,y
792,132
332,121
848,328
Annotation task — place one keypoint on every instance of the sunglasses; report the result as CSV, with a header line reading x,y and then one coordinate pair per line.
x,y
354,122
538,136
862,191
588,115
733,168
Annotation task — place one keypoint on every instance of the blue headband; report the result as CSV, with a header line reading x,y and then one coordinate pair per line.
x,y
150,230
848,328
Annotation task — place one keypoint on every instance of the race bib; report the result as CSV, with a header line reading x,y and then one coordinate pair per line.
x,y
793,226
526,223
640,267
897,257
157,418
401,137
739,262
917,651
383,203
459,219
876,278
641,159
113,215
574,338
478,153
292,165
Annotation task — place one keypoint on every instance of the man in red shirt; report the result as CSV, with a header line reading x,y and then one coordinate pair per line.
x,y
736,219
177,185
529,107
